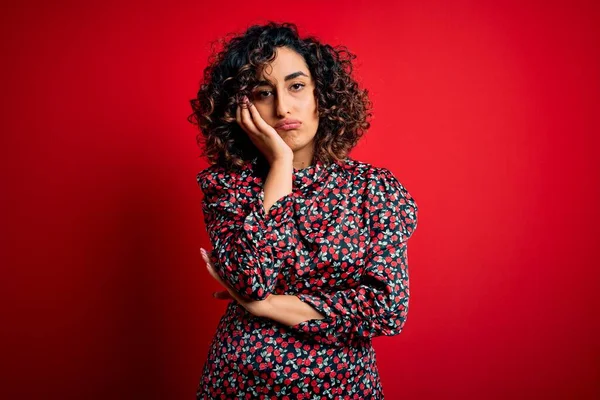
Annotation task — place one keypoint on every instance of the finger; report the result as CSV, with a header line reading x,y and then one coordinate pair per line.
x,y
216,276
248,123
210,271
213,273
204,253
222,295
206,259
232,294
238,114
258,121
238,117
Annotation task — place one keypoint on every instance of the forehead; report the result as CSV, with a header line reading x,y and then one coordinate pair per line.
x,y
286,62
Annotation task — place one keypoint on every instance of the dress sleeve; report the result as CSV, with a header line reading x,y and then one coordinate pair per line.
x,y
379,304
247,243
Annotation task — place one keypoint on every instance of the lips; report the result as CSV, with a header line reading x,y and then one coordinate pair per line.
x,y
288,123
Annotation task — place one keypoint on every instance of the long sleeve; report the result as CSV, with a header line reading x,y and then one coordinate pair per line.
x,y
378,305
247,244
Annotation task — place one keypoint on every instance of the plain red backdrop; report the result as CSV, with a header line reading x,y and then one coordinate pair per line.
x,y
486,111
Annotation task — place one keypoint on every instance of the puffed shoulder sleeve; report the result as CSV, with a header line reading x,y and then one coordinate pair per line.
x,y
247,242
378,304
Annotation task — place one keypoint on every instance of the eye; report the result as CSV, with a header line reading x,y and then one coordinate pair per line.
x,y
262,94
259,94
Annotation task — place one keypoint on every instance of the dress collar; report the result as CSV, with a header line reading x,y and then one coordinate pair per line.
x,y
301,177
307,175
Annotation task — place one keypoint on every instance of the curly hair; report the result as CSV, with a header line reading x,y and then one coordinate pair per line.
x,y
344,108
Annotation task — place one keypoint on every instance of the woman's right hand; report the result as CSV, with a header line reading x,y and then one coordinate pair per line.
x,y
264,136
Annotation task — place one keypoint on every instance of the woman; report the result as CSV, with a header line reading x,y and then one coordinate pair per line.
x,y
309,243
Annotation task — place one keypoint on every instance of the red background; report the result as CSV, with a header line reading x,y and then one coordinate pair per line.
x,y
486,111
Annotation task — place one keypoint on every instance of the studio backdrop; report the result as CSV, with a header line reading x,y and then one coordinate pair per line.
x,y
487,112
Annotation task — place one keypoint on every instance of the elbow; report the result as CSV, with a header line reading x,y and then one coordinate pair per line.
x,y
390,325
391,321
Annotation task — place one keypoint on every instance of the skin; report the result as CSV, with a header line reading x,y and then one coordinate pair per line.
x,y
278,99
271,103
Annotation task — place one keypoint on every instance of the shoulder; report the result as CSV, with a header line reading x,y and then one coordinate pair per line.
x,y
370,173
390,204
381,184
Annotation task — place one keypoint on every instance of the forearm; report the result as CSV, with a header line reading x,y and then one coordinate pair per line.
x,y
290,310
278,182
286,309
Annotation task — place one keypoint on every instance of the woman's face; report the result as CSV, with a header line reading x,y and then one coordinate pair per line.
x,y
287,92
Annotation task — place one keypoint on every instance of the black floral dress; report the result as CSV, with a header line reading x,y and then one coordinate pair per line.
x,y
339,243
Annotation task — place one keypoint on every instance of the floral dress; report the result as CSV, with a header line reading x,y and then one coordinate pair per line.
x,y
338,242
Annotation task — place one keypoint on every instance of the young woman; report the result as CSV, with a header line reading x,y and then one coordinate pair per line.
x,y
308,243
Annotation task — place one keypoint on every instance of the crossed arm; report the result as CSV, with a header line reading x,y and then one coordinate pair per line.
x,y
290,310
248,256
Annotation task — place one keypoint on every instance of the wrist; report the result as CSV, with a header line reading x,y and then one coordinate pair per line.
x,y
270,305
283,160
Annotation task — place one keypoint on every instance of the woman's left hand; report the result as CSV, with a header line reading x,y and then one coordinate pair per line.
x,y
259,308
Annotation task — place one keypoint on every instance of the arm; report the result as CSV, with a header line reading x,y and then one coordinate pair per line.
x,y
290,310
378,305
247,243
278,183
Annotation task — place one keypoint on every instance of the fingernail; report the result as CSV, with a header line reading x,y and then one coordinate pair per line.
x,y
214,294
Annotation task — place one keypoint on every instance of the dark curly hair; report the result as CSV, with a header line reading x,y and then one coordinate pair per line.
x,y
344,108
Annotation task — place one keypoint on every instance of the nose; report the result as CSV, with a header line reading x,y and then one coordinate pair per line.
x,y
283,103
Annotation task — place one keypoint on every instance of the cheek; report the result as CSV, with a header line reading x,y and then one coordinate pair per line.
x,y
309,107
261,108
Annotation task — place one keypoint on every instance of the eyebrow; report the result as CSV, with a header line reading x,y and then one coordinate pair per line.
x,y
287,78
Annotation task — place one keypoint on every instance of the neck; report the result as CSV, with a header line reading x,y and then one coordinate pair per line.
x,y
304,157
